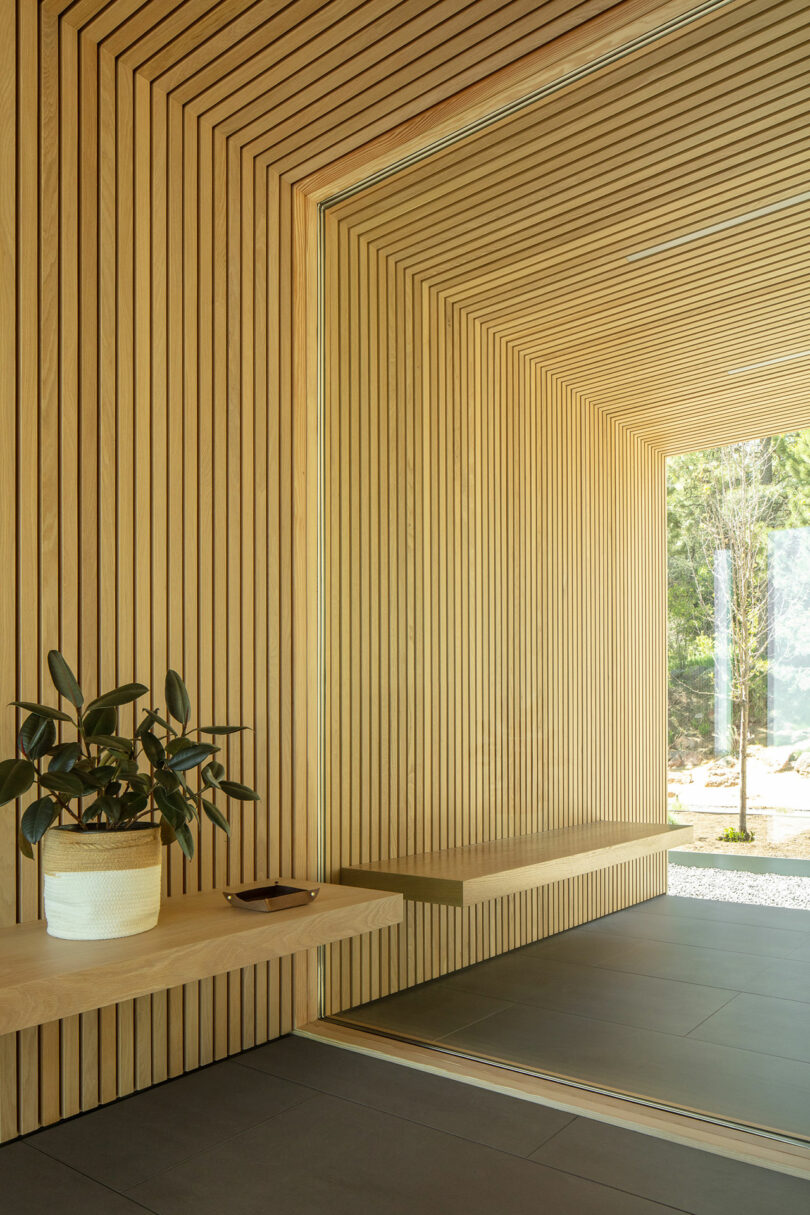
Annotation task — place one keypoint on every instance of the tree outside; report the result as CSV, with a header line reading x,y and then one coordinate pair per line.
x,y
729,511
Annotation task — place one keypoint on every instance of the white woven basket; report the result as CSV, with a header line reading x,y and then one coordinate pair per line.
x,y
101,884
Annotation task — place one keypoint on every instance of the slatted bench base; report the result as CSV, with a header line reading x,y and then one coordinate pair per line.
x,y
458,877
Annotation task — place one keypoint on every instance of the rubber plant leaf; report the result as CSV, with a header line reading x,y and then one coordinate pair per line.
x,y
177,701
16,777
64,680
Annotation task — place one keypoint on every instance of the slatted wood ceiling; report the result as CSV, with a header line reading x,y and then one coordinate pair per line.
x,y
157,490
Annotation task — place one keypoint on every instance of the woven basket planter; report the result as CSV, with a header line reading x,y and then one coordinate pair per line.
x,y
101,884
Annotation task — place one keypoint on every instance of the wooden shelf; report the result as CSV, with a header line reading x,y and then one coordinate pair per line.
x,y
458,877
199,935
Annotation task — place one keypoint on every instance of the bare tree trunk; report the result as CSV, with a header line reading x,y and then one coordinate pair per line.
x,y
743,764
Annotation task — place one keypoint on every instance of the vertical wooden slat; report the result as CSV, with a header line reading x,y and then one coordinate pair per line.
x,y
521,506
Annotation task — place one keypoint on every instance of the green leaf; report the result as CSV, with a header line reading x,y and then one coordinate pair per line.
x,y
167,835
31,706
38,818
242,793
63,782
16,777
167,779
185,839
64,757
24,846
216,816
102,720
177,701
64,680
36,737
119,696
134,803
222,729
112,742
177,744
189,757
141,783
212,774
153,748
98,777
151,719
110,807
169,807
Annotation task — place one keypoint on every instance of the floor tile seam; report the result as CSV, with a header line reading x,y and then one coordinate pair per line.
x,y
89,1177
659,1033
312,1095
606,1020
734,996
735,923
617,1188
803,933
665,1208
761,1054
599,924
376,1109
719,948
761,995
574,1118
309,1094
534,1069
622,969
475,1021
458,980
719,919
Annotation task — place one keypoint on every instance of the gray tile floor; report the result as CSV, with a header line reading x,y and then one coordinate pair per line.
x,y
304,1128
693,1003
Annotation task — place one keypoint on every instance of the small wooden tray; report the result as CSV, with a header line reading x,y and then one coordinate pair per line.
x,y
272,897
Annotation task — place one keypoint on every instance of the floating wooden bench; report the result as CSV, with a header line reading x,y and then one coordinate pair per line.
x,y
198,936
457,877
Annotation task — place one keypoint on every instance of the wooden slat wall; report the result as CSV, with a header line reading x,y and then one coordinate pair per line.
x,y
494,590
152,526
155,504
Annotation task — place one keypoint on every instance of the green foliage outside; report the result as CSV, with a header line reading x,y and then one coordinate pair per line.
x,y
727,499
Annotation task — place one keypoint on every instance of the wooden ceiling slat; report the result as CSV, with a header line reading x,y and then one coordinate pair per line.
x,y
522,230
566,126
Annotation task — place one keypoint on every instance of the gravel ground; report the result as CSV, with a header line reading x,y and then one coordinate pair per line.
x,y
726,885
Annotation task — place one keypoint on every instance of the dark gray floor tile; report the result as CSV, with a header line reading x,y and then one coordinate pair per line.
x,y
760,1023
33,1184
584,948
427,1012
802,951
447,1105
687,930
123,1144
693,963
739,1085
332,1155
590,991
791,918
698,1182
782,978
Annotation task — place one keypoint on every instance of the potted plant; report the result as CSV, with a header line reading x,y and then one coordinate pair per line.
x,y
123,795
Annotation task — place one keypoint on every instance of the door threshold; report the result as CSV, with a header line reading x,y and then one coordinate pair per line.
x,y
761,1148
